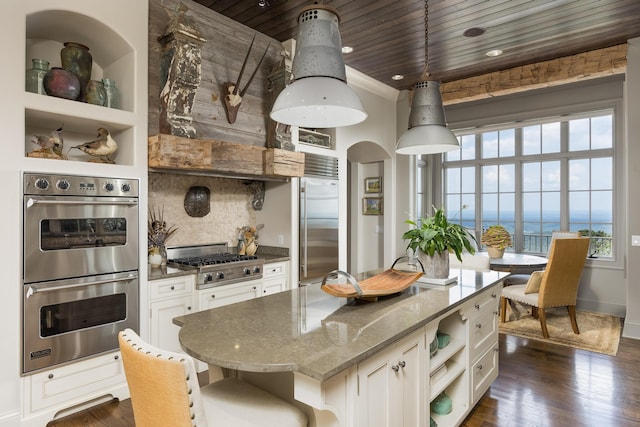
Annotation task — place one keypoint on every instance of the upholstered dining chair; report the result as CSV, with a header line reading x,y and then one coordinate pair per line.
x,y
165,392
521,279
556,286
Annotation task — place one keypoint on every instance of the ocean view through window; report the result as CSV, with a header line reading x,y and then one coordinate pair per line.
x,y
537,178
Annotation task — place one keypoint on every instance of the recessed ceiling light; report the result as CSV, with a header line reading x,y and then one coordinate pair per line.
x,y
473,32
397,77
494,52
347,49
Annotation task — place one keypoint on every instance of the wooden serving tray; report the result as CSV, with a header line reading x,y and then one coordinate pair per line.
x,y
388,282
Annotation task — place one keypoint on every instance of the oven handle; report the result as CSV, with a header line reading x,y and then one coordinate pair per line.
x,y
33,289
31,202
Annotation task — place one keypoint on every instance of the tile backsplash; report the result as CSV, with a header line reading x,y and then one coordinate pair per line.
x,y
230,203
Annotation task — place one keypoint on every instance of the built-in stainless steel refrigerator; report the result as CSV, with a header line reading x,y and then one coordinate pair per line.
x,y
318,218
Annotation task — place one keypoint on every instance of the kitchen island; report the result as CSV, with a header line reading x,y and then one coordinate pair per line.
x,y
359,363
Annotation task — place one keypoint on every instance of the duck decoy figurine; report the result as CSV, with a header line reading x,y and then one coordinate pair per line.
x,y
53,143
101,147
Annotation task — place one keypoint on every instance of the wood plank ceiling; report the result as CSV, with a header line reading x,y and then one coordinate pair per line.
x,y
388,36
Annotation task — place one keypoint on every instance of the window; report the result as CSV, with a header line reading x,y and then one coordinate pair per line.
x,y
537,178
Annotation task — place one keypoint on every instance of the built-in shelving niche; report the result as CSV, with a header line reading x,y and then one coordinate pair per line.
x,y
113,57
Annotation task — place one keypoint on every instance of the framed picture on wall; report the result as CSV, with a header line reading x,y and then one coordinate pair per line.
x,y
372,205
373,185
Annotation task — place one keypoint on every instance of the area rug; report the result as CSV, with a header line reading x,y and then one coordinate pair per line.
x,y
599,333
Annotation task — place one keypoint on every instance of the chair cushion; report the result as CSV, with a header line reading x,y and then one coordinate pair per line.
x,y
516,293
533,284
230,402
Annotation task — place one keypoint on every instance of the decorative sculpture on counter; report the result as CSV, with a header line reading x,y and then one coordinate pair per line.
x,y
232,93
180,74
50,145
247,240
101,147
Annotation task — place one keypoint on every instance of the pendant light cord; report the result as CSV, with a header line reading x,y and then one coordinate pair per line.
x,y
425,73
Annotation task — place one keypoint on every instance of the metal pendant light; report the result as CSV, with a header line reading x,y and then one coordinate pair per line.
x,y
318,97
428,133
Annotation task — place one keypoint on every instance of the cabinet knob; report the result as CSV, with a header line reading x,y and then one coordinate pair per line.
x,y
395,368
493,295
479,325
116,357
189,308
50,376
477,306
213,295
480,367
402,363
495,312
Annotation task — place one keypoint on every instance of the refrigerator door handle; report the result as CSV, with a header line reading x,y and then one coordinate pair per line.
x,y
303,255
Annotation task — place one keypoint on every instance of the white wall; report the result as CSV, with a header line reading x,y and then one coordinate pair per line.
x,y
632,108
379,128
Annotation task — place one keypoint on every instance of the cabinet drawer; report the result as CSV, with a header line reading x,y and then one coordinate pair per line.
x,y
483,333
165,288
487,301
484,372
275,269
85,379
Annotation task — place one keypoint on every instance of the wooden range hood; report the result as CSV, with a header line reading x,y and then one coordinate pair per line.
x,y
169,153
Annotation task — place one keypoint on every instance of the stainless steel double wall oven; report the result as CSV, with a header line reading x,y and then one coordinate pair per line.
x,y
80,266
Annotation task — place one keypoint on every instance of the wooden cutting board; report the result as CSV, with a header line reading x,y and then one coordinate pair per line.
x,y
386,283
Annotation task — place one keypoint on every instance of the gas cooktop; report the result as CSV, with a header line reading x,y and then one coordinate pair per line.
x,y
215,265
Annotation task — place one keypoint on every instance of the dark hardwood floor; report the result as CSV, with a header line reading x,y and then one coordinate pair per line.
x,y
541,385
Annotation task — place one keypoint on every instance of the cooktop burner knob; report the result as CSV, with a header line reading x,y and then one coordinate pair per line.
x,y
256,269
246,271
208,277
126,188
220,275
108,186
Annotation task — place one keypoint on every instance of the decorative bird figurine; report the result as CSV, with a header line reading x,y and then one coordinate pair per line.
x,y
101,147
52,142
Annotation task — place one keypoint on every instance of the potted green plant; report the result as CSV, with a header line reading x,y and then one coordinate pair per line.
x,y
433,238
496,238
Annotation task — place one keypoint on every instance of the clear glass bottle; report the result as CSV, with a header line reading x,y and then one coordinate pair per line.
x,y
35,76
113,98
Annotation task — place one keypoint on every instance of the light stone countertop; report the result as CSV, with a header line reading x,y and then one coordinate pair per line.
x,y
308,331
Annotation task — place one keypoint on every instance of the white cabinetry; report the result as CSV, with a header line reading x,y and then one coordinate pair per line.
x,y
392,385
396,386
471,357
483,343
275,277
169,298
87,380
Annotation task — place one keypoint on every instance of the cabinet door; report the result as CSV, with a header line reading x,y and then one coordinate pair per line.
x,y
413,376
377,392
164,333
392,385
224,295
273,286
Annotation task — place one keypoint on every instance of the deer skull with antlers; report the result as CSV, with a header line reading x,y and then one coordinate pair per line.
x,y
232,92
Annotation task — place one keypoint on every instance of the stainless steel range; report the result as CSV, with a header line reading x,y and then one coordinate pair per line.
x,y
215,265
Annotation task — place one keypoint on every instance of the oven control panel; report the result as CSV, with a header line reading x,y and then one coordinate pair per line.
x,y
70,185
